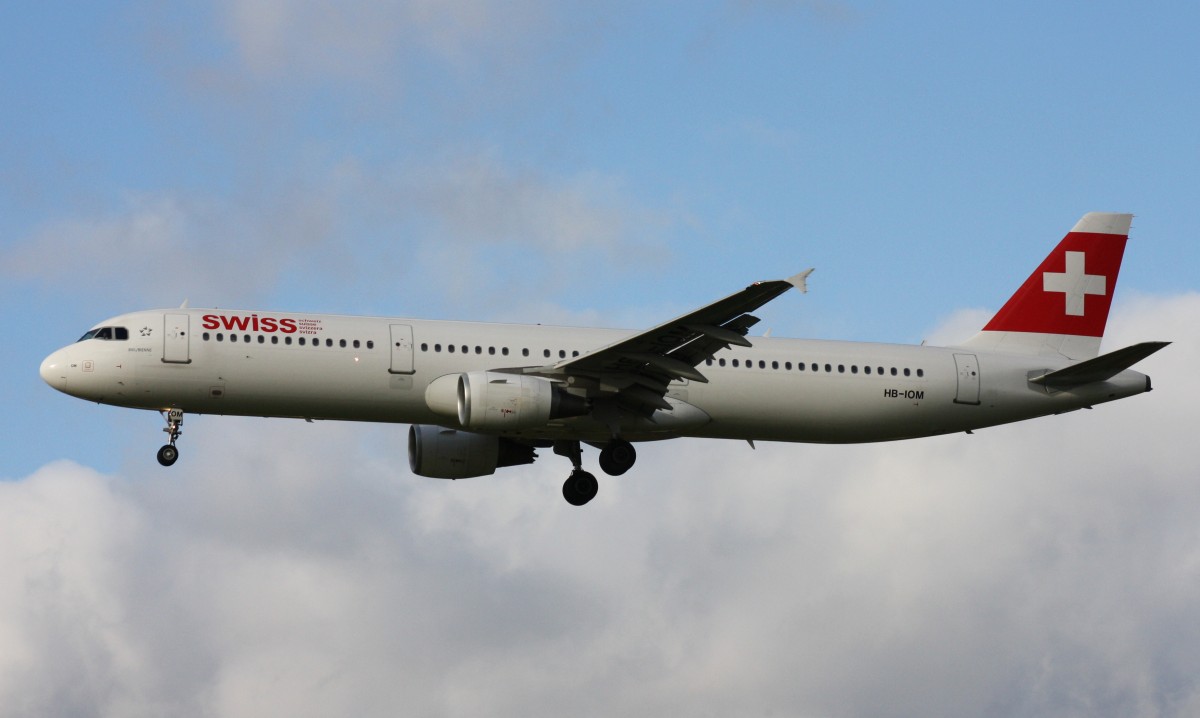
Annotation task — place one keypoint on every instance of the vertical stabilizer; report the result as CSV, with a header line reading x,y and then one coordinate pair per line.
x,y
1062,308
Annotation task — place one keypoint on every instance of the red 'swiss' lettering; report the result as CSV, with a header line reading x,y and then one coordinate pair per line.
x,y
253,323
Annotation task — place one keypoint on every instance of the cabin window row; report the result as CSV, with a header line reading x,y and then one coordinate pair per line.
x,y
828,368
491,351
289,341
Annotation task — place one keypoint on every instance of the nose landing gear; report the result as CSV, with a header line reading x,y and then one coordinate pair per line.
x,y
168,454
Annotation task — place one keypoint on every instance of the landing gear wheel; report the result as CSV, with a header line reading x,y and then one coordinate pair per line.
x,y
580,488
174,418
618,457
167,455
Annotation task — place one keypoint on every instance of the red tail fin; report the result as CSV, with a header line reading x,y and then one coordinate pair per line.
x,y
1063,307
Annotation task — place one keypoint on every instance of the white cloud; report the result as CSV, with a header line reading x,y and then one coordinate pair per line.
x,y
166,247
1050,568
357,39
466,228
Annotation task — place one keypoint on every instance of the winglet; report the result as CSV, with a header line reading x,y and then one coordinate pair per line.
x,y
800,281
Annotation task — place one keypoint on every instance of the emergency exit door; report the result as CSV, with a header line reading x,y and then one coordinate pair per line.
x,y
402,349
175,339
968,379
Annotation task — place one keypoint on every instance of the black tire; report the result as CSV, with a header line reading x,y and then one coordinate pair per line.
x,y
168,455
618,457
580,488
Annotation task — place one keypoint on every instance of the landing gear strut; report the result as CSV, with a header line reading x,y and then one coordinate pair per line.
x,y
168,454
580,487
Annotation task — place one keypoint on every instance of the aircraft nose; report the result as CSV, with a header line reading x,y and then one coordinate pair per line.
x,y
53,370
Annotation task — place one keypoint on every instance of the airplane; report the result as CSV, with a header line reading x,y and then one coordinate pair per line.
x,y
482,396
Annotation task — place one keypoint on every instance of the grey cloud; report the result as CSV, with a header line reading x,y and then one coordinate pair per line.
x,y
1044,568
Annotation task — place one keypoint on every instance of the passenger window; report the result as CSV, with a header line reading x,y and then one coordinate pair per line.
x,y
562,354
370,344
841,368
356,344
274,339
504,351
853,368
893,371
525,352
867,370
424,346
220,337
233,338
328,342
301,341
787,365
920,372
721,362
546,353
906,372
204,336
735,362
762,364
774,365
829,367
262,339
286,340
342,343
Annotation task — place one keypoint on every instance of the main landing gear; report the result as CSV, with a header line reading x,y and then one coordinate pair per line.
x,y
617,457
168,454
580,487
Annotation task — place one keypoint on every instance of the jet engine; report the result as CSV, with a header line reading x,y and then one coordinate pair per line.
x,y
495,401
439,453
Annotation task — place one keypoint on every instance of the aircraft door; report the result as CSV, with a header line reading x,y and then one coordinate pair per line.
x,y
175,339
402,349
968,379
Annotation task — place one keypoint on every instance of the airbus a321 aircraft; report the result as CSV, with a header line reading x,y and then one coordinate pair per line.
x,y
483,396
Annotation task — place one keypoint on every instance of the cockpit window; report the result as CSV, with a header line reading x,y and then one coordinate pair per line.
x,y
107,334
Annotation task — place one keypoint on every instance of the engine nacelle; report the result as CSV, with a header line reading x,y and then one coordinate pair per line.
x,y
439,453
495,401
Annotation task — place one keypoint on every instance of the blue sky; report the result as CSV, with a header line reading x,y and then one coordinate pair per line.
x,y
584,163
612,163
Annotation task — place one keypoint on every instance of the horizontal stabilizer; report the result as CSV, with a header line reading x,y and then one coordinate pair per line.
x,y
1102,367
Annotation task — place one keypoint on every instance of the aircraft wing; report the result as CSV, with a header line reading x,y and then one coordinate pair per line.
x,y
638,368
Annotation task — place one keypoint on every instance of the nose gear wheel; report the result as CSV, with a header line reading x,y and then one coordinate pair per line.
x,y
168,454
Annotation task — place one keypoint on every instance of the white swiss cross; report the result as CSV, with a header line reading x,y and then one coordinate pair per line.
x,y
1074,283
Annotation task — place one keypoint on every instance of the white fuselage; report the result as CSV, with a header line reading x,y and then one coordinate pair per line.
x,y
379,369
